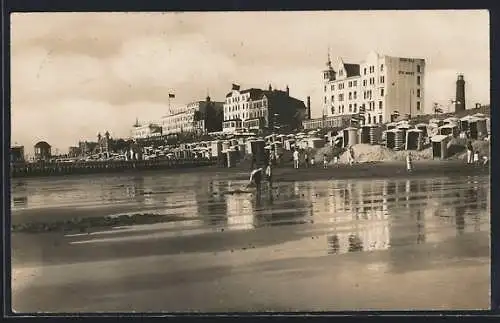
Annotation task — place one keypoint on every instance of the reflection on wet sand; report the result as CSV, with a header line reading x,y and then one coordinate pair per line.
x,y
356,215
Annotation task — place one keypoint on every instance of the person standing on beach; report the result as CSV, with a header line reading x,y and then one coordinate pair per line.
x,y
306,159
476,157
269,176
296,159
351,155
469,152
325,161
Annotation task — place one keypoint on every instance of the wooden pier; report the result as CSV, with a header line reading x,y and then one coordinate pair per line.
x,y
93,167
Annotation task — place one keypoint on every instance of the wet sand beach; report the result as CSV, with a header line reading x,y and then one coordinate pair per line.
x,y
345,244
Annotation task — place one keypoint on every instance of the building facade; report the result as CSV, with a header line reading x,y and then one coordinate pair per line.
x,y
195,117
17,154
256,109
146,131
382,86
74,151
43,151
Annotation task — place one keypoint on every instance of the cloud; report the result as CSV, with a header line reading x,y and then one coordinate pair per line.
x,y
41,74
62,123
170,61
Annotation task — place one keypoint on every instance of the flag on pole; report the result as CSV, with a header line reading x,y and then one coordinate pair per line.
x,y
171,96
235,87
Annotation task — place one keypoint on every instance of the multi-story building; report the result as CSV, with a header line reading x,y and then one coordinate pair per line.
x,y
198,117
147,130
382,86
43,151
87,147
74,151
254,109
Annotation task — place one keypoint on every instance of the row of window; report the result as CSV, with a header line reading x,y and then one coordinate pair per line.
x,y
243,97
371,69
247,115
371,81
253,105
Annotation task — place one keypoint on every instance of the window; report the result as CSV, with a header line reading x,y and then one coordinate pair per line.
x,y
355,107
350,107
380,119
418,93
418,80
365,71
382,79
370,94
380,105
350,84
381,67
364,82
325,88
350,95
355,95
325,99
333,110
374,119
341,97
333,87
355,83
418,105
342,108
418,68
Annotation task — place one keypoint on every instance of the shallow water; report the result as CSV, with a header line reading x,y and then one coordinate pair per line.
x,y
356,215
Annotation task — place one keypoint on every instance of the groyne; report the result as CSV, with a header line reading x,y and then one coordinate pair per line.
x,y
93,167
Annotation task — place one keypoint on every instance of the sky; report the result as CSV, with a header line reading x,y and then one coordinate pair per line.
x,y
74,75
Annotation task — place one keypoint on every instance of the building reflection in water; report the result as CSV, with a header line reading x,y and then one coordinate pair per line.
x,y
460,218
213,210
355,212
366,215
284,207
136,189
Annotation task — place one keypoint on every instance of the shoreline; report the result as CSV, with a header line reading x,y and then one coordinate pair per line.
x,y
286,173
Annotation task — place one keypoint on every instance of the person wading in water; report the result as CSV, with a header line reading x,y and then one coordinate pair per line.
x,y
256,179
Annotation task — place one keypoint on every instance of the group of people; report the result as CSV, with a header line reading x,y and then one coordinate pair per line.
x,y
473,156
310,162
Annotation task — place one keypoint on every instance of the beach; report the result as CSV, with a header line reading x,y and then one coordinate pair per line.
x,y
344,244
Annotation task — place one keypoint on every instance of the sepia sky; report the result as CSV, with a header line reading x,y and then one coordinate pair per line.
x,y
76,74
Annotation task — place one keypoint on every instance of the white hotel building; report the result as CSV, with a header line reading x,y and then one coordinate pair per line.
x,y
382,84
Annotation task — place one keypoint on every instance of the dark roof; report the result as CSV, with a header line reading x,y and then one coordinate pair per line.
x,y
42,144
254,93
352,69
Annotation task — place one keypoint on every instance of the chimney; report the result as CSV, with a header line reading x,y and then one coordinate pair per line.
x,y
287,90
270,87
460,94
309,107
